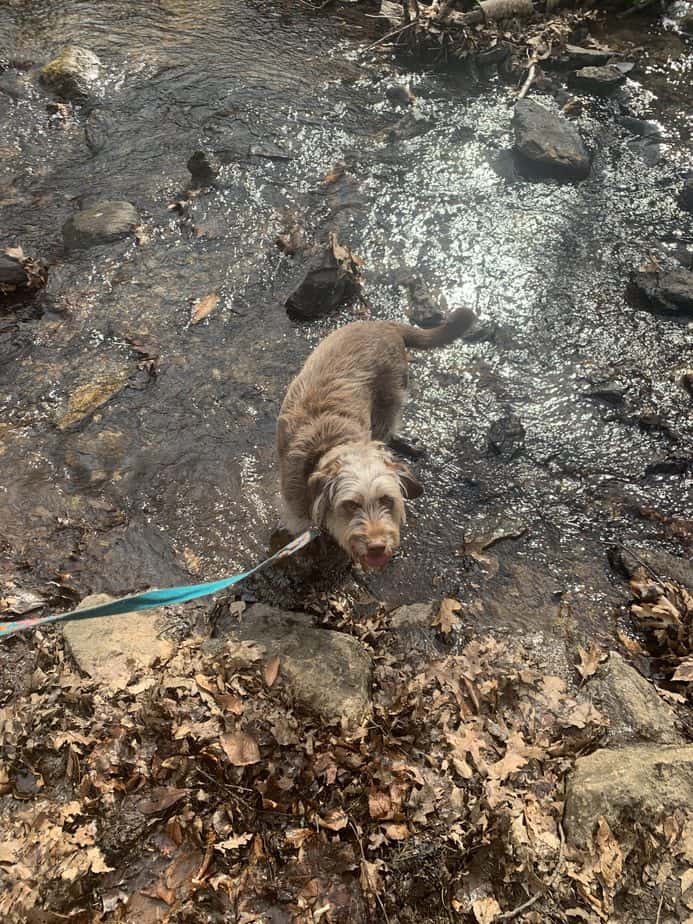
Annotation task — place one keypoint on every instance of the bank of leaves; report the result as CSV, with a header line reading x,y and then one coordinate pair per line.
x,y
200,793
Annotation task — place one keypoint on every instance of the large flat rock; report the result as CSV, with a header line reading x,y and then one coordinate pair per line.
x,y
625,785
103,223
113,648
328,672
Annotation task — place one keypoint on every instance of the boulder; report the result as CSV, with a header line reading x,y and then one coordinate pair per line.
x,y
601,81
111,649
664,291
73,73
633,706
548,142
102,223
627,785
328,673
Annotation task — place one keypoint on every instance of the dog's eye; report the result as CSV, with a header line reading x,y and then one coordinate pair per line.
x,y
387,502
349,508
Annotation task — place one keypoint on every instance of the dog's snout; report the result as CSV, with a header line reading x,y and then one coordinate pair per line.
x,y
377,548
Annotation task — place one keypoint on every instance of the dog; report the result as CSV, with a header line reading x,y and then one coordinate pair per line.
x,y
335,470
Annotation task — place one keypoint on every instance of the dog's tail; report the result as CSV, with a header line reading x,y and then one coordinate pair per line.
x,y
453,327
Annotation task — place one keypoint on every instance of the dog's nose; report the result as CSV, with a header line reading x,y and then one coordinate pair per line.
x,y
376,548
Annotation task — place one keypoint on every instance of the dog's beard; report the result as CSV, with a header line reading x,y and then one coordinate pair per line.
x,y
360,503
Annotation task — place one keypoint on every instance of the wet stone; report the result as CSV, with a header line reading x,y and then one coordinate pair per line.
x,y
204,168
627,785
12,272
601,81
103,223
506,437
587,57
548,142
666,567
73,73
328,673
424,310
112,649
634,708
666,292
686,195
326,286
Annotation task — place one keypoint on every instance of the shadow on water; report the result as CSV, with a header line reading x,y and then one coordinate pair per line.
x,y
174,472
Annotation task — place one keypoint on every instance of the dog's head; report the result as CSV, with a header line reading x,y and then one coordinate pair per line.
x,y
358,493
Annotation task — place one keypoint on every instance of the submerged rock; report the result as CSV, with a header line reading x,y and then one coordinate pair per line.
x,y
73,73
666,567
627,785
664,291
635,709
601,81
100,224
327,672
113,648
506,437
551,144
686,195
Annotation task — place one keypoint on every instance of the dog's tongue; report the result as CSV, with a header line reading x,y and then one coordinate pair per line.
x,y
377,559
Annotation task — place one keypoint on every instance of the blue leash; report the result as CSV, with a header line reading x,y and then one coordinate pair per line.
x,y
151,599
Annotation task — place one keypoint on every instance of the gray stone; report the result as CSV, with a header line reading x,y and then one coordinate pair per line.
x,y
665,566
686,195
424,309
113,648
73,73
548,142
204,168
12,272
327,672
665,292
625,785
100,224
601,81
587,57
413,616
634,708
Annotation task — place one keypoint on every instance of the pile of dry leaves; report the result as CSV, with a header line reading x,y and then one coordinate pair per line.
x,y
201,793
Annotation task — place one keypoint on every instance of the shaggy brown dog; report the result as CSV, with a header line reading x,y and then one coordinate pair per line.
x,y
335,471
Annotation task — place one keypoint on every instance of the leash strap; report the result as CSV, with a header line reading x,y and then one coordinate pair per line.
x,y
151,599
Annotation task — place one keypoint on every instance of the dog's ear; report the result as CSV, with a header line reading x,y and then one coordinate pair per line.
x,y
321,486
411,486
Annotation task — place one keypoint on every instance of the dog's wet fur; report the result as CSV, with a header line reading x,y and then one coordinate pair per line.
x,y
335,469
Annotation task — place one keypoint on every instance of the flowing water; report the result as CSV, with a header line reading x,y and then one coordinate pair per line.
x,y
175,473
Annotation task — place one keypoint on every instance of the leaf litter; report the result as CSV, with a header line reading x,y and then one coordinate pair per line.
x,y
201,792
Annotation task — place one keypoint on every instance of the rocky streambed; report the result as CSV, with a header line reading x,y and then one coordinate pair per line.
x,y
488,722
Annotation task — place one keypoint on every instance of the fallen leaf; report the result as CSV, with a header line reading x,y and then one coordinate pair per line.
x,y
298,836
335,820
379,805
590,660
203,307
233,843
272,670
485,910
609,853
445,617
240,748
160,798
396,832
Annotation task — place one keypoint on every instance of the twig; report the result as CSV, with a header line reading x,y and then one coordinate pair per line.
x,y
363,857
389,35
509,915
532,70
659,910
